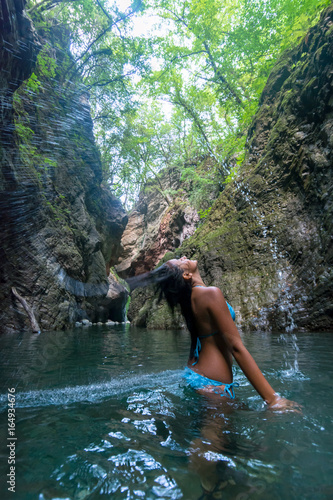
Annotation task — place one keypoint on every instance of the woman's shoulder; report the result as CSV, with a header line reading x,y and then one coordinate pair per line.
x,y
211,292
214,289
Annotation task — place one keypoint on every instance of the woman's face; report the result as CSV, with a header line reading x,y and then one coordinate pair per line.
x,y
185,264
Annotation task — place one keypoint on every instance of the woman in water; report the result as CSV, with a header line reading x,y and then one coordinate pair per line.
x,y
214,335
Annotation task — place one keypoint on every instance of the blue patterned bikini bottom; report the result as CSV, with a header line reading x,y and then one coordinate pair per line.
x,y
197,381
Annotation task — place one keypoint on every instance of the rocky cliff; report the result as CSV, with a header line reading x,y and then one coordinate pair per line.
x,y
60,228
268,239
160,222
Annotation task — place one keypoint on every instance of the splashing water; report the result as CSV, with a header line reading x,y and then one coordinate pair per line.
x,y
290,356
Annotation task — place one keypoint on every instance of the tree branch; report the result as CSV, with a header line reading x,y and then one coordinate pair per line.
x,y
217,72
104,11
108,28
51,4
106,52
221,77
34,325
180,101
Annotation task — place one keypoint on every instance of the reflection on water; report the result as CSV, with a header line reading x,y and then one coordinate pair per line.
x,y
105,413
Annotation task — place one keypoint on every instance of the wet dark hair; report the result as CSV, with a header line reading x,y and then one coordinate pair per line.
x,y
170,285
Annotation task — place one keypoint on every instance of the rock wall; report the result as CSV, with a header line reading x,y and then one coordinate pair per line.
x,y
268,239
160,222
60,228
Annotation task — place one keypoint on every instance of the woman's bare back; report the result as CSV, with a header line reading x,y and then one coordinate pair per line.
x,y
215,360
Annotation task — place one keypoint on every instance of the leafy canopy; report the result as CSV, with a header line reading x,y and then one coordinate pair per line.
x,y
186,91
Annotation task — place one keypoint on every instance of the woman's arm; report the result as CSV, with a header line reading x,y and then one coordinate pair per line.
x,y
221,317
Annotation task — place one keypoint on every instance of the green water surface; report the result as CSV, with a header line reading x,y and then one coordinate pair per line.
x,y
103,412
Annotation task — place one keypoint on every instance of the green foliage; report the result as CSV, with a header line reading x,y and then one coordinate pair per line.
x,y
30,154
232,175
204,213
47,67
215,58
59,209
142,145
33,84
46,63
184,95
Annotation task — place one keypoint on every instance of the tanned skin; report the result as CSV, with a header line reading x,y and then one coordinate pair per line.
x,y
211,314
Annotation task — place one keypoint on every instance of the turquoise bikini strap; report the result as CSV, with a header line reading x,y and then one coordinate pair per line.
x,y
198,347
205,336
232,312
229,389
197,351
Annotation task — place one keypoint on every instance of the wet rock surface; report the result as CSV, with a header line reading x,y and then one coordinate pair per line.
x,y
268,239
60,228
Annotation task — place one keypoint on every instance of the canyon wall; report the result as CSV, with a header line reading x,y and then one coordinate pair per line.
x,y
60,227
160,222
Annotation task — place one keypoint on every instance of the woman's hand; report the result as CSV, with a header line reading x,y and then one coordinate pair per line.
x,y
284,405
